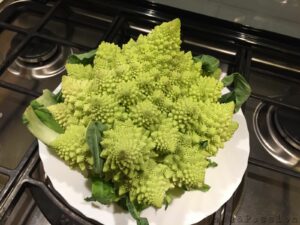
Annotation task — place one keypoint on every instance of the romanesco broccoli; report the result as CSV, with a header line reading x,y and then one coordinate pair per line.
x,y
150,187
188,166
161,108
69,145
126,149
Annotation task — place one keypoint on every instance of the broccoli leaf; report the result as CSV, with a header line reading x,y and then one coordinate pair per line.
x,y
46,117
37,127
46,99
211,163
209,63
25,121
59,97
135,213
171,194
84,58
203,144
241,90
93,138
205,188
102,192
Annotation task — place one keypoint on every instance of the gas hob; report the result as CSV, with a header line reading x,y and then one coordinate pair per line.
x,y
37,37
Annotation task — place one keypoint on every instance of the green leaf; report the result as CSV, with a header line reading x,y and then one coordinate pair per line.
x,y
46,117
46,99
228,97
211,163
84,58
25,121
142,221
172,194
58,97
203,144
39,107
241,90
102,192
135,213
38,128
228,80
101,127
166,205
122,203
168,200
132,209
93,138
204,188
209,63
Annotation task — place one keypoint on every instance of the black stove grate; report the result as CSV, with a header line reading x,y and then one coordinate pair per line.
x,y
235,43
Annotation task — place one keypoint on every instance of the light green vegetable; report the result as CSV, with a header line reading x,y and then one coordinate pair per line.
x,y
126,149
70,145
144,118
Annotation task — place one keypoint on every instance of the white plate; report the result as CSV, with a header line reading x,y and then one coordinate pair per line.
x,y
190,208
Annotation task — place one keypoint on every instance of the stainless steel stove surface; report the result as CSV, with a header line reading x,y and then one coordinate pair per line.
x,y
37,36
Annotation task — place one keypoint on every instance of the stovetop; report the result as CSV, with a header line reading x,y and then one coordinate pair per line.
x,y
36,33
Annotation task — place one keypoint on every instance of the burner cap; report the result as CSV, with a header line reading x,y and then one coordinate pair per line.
x,y
287,123
37,50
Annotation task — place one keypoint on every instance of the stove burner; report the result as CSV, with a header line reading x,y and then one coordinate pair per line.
x,y
277,130
287,123
40,58
38,51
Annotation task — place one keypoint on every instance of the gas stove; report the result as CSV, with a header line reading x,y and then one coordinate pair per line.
x,y
36,39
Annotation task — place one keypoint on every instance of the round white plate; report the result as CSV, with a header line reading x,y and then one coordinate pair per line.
x,y
190,208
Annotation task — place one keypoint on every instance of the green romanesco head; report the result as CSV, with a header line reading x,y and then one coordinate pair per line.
x,y
206,89
103,108
150,186
106,56
216,124
79,71
75,93
71,146
126,148
188,166
145,114
128,94
164,103
166,137
160,108
185,113
62,114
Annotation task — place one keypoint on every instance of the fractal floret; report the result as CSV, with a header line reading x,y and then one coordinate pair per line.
x,y
126,149
188,166
79,71
72,147
151,185
216,125
143,117
166,138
